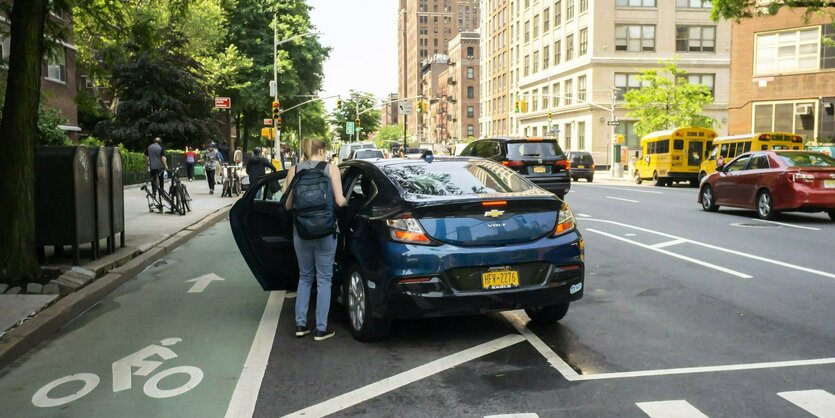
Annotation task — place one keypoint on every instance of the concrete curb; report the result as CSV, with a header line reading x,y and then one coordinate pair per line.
x,y
20,340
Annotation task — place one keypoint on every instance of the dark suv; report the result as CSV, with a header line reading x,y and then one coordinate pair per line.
x,y
582,165
541,160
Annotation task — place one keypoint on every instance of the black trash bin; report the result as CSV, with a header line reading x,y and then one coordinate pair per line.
x,y
117,197
101,168
64,198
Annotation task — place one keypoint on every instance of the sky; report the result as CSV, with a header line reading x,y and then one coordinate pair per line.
x,y
362,34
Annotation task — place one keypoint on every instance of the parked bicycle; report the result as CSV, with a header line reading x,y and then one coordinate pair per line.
x,y
231,181
176,199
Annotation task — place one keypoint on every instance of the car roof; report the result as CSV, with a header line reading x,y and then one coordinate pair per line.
x,y
521,138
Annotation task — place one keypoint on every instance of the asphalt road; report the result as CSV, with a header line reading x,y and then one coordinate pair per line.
x,y
686,313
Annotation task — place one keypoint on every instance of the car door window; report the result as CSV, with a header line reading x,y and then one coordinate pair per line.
x,y
738,164
360,188
759,162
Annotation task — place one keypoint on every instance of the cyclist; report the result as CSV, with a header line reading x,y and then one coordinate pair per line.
x,y
157,164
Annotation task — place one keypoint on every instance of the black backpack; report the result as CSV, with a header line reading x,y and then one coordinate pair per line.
x,y
313,205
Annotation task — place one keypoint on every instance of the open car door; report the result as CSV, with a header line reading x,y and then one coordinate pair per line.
x,y
263,231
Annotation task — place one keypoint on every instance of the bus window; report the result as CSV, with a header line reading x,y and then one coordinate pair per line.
x,y
678,144
747,146
651,148
732,150
663,146
713,153
694,156
709,148
764,147
779,147
724,150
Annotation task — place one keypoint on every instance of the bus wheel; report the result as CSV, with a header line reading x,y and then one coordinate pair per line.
x,y
657,180
638,179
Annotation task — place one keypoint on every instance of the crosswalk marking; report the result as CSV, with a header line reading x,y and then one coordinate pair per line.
x,y
670,409
817,402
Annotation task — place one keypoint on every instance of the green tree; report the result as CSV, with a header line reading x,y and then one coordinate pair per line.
x,y
666,100
743,9
387,135
369,120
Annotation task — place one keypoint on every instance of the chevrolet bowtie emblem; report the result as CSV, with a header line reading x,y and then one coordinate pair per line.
x,y
494,213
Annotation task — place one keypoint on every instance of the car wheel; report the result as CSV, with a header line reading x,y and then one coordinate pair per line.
x,y
363,326
831,214
657,180
765,205
709,199
638,179
545,314
590,179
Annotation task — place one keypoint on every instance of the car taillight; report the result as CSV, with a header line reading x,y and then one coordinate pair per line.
x,y
407,229
565,220
512,163
800,177
564,164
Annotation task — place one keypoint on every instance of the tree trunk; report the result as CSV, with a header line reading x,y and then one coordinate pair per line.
x,y
246,133
18,133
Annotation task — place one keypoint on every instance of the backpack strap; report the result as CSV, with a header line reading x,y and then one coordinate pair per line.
x,y
321,165
298,175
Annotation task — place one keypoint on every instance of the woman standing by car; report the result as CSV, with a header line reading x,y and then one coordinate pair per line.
x,y
314,231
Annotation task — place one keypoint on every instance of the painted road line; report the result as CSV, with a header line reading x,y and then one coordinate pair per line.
x,y
726,250
706,369
526,415
553,359
625,188
622,199
819,403
202,282
672,254
583,215
667,243
249,383
386,385
670,409
809,228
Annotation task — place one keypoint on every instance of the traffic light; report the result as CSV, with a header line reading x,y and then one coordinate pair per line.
x,y
278,122
276,110
425,107
420,106
516,107
357,122
339,103
549,115
524,106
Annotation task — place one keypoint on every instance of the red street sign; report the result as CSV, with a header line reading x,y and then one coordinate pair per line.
x,y
268,122
223,102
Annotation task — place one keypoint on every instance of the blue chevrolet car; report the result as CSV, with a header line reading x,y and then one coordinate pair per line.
x,y
427,237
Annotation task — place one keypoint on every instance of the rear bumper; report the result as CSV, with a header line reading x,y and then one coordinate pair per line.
x,y
553,184
679,175
807,199
582,172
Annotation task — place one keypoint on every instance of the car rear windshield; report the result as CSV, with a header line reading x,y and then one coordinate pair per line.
x,y
369,154
538,149
456,178
806,159
581,158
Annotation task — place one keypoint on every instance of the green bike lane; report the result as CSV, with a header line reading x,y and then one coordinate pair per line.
x,y
163,344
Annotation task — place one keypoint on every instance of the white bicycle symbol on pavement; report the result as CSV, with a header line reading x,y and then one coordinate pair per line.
x,y
122,376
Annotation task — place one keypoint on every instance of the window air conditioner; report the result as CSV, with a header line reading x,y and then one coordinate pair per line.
x,y
803,109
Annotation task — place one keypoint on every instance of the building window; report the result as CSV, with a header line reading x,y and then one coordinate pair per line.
x,y
695,38
527,65
584,6
470,130
708,80
635,38
581,135
569,47
635,3
788,51
546,56
470,73
581,88
795,117
546,20
626,82
56,66
695,4
556,99
584,42
545,94
536,26
557,51
569,89
527,31
569,10
558,13
536,62
535,100
470,52
470,92
567,144
470,111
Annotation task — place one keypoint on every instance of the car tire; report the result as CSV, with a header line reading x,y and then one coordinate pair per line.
x,y
638,179
831,214
590,179
765,206
548,314
656,181
708,199
363,326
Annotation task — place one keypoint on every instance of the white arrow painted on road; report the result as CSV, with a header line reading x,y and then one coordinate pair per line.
x,y
202,282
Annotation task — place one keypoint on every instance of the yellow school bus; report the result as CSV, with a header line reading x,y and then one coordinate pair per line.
x,y
732,146
673,156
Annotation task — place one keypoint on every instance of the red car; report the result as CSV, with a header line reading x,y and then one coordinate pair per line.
x,y
772,182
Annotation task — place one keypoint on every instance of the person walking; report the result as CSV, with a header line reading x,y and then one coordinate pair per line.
x,y
256,167
157,164
191,158
239,156
314,231
211,159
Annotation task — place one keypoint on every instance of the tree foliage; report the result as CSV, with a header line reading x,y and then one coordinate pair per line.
x,y
743,9
666,100
387,135
369,121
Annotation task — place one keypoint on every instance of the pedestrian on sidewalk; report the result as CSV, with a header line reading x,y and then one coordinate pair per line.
x,y
239,156
191,158
315,255
157,164
211,159
256,168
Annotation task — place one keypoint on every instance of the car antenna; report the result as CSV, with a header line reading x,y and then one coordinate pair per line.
x,y
427,156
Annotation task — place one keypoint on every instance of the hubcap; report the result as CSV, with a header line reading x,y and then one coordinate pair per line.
x,y
356,301
707,198
765,204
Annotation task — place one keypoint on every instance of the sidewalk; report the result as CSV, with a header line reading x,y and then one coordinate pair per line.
x,y
144,233
605,176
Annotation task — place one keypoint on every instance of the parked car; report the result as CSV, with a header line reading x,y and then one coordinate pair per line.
x,y
540,160
425,238
367,154
458,149
582,165
771,182
346,150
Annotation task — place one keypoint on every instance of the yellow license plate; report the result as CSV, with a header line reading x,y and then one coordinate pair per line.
x,y
501,279
829,184
581,166
539,169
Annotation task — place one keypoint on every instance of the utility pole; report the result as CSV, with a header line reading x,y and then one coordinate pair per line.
x,y
275,81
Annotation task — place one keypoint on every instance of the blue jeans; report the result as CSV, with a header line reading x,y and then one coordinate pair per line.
x,y
315,258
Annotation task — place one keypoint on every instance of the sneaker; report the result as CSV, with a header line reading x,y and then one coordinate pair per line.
x,y
302,331
323,335
211,192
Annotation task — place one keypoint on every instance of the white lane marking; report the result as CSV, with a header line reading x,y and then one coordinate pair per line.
x,y
670,409
729,251
624,188
249,383
669,243
817,402
583,215
375,389
553,359
622,199
202,282
785,224
706,369
630,235
525,415
672,254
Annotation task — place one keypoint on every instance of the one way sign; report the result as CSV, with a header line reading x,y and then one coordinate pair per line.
x,y
405,108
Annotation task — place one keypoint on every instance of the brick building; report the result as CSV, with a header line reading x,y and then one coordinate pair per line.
x,y
464,90
783,75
